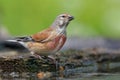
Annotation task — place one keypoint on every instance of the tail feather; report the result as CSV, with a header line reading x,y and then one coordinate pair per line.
x,y
10,45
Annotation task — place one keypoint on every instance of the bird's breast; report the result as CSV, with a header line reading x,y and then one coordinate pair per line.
x,y
57,43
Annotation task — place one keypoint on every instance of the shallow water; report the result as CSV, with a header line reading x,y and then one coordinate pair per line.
x,y
93,76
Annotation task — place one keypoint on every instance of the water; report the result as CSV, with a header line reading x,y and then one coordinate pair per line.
x,y
94,76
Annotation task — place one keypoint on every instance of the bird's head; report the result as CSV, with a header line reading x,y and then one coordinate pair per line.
x,y
62,20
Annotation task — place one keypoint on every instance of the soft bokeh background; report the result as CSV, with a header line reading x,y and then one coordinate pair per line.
x,y
92,17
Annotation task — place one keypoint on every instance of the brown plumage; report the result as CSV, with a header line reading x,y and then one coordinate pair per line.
x,y
49,40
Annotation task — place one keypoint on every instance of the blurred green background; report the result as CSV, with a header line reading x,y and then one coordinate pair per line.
x,y
92,17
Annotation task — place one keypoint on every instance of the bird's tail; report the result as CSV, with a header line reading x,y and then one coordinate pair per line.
x,y
15,46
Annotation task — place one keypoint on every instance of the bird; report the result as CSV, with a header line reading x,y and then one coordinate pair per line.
x,y
45,42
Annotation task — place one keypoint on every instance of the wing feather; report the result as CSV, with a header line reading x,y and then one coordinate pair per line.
x,y
45,35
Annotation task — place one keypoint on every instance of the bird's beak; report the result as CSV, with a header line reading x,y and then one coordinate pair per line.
x,y
71,18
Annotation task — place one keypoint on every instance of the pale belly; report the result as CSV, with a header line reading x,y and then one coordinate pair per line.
x,y
48,47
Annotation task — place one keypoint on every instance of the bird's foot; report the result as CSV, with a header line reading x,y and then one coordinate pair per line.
x,y
48,59
38,57
54,61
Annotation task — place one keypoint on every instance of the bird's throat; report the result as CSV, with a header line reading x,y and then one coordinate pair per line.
x,y
61,30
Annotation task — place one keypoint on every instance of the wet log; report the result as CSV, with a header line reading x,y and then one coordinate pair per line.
x,y
70,59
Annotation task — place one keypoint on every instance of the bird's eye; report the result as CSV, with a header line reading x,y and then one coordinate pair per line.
x,y
63,16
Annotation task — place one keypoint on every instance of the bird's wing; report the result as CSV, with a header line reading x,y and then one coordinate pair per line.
x,y
45,35
20,42
23,39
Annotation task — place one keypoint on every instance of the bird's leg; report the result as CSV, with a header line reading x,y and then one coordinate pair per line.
x,y
37,56
51,57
